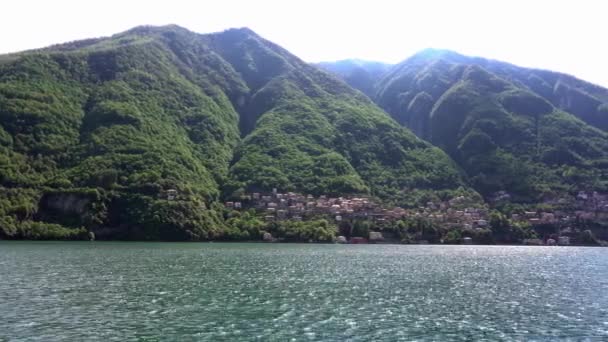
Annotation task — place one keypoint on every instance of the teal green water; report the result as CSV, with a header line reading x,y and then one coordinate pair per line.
x,y
71,291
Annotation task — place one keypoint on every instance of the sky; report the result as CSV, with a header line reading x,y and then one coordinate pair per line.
x,y
565,36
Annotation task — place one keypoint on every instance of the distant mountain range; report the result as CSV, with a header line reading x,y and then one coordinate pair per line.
x,y
143,134
359,74
534,133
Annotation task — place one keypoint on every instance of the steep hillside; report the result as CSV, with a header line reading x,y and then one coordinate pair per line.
x,y
95,133
434,70
315,134
530,132
359,74
98,135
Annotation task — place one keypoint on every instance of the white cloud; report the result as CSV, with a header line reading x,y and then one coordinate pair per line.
x,y
565,36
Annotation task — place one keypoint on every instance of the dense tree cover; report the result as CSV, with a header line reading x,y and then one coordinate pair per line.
x,y
244,226
95,134
314,134
303,231
122,121
249,226
533,133
412,229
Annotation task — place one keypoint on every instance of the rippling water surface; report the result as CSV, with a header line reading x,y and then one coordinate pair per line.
x,y
190,292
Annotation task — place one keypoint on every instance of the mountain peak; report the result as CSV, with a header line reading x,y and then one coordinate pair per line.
x,y
145,30
241,30
433,53
239,33
155,116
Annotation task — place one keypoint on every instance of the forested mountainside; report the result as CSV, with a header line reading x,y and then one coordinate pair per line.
x,y
142,134
533,133
359,74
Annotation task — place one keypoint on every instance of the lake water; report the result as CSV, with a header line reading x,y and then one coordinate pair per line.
x,y
102,291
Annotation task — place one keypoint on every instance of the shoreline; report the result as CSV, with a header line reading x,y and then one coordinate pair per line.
x,y
294,242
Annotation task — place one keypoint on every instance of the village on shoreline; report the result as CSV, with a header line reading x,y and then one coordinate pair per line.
x,y
457,213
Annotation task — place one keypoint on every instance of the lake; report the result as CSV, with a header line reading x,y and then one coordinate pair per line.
x,y
122,291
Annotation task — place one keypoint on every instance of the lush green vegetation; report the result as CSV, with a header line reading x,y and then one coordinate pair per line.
x,y
94,134
249,226
420,229
143,134
533,133
299,231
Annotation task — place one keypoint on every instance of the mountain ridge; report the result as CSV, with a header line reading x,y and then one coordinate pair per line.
x,y
140,135
537,119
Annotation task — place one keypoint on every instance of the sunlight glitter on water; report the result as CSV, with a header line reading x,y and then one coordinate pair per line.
x,y
139,291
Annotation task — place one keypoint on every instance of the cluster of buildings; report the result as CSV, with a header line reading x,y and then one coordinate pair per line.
x,y
591,205
458,212
565,212
584,206
455,213
294,206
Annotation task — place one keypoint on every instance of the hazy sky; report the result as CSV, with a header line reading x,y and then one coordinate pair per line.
x,y
566,36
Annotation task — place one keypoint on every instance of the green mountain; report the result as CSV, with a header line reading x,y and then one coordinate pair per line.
x,y
359,74
532,133
98,135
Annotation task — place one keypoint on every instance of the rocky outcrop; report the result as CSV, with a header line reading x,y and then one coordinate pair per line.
x,y
375,237
67,203
267,237
71,208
